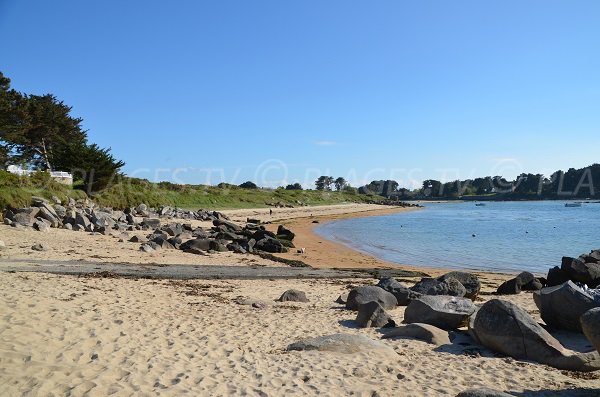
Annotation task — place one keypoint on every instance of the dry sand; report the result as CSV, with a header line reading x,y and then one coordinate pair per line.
x,y
64,335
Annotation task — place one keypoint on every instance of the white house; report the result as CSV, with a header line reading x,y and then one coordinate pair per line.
x,y
59,176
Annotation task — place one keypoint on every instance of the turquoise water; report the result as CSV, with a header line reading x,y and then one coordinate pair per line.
x,y
509,236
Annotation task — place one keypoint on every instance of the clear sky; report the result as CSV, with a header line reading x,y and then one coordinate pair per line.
x,y
283,91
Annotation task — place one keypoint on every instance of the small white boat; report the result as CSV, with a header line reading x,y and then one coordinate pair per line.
x,y
572,204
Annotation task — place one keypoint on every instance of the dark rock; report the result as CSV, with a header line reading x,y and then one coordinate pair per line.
x,y
284,233
293,295
269,244
218,246
561,306
431,286
196,246
402,293
237,248
138,239
162,242
371,314
469,281
262,233
577,270
515,285
556,276
173,229
82,221
446,312
230,226
504,327
152,223
362,295
590,324
425,332
533,285
175,242
343,343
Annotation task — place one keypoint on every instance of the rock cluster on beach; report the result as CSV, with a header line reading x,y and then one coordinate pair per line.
x,y
440,308
153,229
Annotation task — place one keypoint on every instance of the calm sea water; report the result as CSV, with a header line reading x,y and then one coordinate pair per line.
x,y
509,236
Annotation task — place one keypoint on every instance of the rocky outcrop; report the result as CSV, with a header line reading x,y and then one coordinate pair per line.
x,y
504,327
483,392
585,269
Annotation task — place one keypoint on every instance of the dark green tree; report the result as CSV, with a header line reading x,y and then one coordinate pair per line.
x,y
294,186
324,183
340,183
248,185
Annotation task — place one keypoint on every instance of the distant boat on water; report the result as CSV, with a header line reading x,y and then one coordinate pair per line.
x,y
480,204
572,204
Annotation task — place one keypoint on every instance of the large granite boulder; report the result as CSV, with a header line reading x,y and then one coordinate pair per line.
x,y
469,281
343,343
590,324
361,295
292,295
446,312
561,306
371,314
579,271
504,327
402,293
424,332
431,286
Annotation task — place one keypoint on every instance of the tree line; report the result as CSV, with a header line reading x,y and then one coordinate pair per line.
x,y
38,132
574,183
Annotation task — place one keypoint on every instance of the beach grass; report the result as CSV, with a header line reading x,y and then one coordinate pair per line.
x,y
17,191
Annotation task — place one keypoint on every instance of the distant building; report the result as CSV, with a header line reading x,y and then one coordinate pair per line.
x,y
60,176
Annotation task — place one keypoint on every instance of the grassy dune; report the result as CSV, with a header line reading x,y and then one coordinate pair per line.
x,y
17,191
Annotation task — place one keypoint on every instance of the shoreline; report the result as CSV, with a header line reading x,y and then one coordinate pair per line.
x,y
322,253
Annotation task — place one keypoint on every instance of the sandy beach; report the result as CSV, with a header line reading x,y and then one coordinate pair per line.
x,y
94,336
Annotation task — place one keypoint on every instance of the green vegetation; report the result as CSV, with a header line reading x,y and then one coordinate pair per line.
x,y
17,191
131,192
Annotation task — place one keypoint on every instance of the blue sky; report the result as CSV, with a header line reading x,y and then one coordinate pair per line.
x,y
285,91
